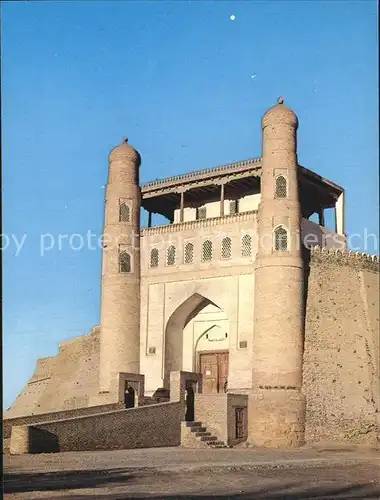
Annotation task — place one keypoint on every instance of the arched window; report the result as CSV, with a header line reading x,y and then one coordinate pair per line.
x,y
207,251
246,245
281,239
124,213
189,253
170,255
226,248
154,257
124,262
281,187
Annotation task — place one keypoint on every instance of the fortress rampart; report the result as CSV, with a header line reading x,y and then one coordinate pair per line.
x,y
341,351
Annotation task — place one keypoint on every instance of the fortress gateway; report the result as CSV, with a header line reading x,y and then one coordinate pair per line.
x,y
241,313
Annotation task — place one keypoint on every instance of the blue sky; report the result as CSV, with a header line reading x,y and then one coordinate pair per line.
x,y
188,86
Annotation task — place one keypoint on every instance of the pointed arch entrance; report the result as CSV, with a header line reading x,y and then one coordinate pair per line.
x,y
198,334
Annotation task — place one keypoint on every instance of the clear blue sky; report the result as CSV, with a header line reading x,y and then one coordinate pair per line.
x,y
176,77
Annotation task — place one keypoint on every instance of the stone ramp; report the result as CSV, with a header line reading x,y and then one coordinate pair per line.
x,y
155,425
39,418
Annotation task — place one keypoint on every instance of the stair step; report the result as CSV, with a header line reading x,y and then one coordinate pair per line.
x,y
198,429
216,443
200,432
193,424
209,438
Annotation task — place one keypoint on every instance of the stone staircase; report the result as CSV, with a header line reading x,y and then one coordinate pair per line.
x,y
195,435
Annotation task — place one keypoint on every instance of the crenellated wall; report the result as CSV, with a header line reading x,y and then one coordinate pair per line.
x,y
341,352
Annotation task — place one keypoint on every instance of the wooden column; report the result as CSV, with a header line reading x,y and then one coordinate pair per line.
x,y
149,219
339,215
181,206
222,200
321,216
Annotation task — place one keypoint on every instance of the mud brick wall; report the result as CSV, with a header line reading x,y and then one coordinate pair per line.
x,y
341,357
56,415
62,382
145,427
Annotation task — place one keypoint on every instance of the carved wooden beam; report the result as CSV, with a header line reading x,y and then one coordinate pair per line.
x,y
201,183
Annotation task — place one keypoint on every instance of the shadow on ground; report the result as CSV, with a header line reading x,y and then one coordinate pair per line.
x,y
65,480
148,480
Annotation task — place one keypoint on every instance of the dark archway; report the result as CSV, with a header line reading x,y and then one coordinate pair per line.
x,y
189,415
129,396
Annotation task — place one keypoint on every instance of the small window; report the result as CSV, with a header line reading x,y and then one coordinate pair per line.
x,y
207,251
201,213
170,256
226,248
234,207
281,187
246,246
124,262
281,239
189,253
154,257
124,213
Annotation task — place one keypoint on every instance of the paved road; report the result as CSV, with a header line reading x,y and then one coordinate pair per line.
x,y
183,474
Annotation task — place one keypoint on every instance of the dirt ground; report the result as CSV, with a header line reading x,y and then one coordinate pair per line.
x,y
184,474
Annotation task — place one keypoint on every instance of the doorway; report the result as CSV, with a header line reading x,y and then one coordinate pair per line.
x,y
129,396
189,416
214,369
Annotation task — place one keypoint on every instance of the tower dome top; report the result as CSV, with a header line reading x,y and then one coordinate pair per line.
x,y
125,151
279,114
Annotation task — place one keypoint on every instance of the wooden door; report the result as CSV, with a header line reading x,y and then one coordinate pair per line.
x,y
240,422
209,369
222,371
214,368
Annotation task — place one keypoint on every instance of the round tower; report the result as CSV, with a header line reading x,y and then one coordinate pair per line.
x,y
120,307
276,408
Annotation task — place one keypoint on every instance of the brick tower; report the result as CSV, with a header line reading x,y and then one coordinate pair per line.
x,y
120,309
276,406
